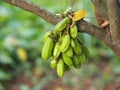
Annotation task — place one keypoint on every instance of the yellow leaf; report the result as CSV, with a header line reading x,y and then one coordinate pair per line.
x,y
79,15
22,54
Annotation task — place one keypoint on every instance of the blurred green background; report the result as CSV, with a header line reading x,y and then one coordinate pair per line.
x,y
21,40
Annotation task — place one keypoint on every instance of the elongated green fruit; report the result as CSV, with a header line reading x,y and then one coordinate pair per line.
x,y
72,43
56,51
76,62
80,38
73,31
85,51
67,60
53,63
47,48
60,68
82,58
69,51
65,43
77,49
47,35
62,24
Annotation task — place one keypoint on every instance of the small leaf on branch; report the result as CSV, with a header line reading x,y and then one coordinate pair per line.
x,y
79,15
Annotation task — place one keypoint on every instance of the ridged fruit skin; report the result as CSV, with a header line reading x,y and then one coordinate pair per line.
x,y
67,60
69,51
53,63
82,58
72,43
62,24
73,31
65,43
60,68
80,38
47,35
85,51
77,49
56,51
47,48
76,61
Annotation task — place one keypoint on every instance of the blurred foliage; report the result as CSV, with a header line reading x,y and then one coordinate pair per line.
x,y
21,40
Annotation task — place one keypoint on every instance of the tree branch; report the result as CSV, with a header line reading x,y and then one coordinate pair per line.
x,y
91,29
39,11
83,26
114,17
101,11
51,18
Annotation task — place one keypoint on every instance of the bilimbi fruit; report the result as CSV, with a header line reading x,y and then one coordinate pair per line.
x,y
64,47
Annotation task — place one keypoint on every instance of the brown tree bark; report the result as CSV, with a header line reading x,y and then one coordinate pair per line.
x,y
104,9
109,10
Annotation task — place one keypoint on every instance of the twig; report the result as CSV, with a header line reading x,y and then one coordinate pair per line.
x,y
39,11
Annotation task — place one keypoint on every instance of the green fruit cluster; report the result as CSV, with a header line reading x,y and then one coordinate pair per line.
x,y
64,47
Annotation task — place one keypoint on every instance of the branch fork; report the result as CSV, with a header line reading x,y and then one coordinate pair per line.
x,y
104,9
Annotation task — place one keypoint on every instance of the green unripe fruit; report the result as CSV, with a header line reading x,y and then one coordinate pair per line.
x,y
65,43
47,48
62,24
60,68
